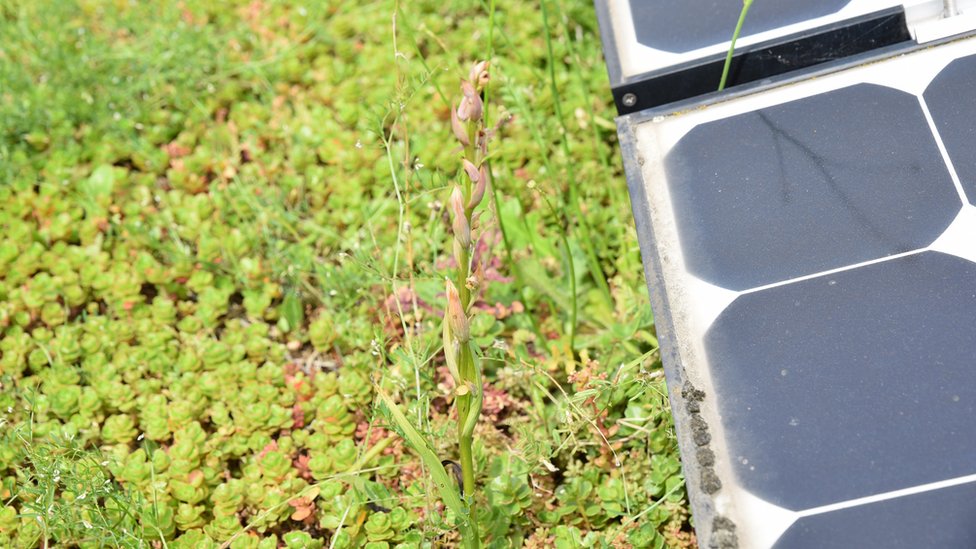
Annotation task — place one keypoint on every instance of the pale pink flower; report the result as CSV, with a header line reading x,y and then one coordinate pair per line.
x,y
479,74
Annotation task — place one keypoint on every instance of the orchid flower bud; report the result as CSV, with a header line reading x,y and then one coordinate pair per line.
x,y
480,185
471,106
479,74
462,229
471,170
458,128
456,317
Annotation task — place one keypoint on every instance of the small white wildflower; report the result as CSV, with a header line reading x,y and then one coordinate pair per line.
x,y
86,524
333,293
359,144
141,436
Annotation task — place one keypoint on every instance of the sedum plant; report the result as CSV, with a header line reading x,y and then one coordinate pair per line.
x,y
190,305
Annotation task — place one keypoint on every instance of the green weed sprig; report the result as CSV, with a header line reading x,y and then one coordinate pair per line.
x,y
746,4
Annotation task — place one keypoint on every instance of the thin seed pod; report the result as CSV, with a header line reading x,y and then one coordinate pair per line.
x,y
456,317
454,468
451,350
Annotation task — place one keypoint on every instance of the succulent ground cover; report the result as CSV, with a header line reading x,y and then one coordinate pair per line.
x,y
224,228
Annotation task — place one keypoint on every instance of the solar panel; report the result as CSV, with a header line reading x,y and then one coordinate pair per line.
x,y
661,51
655,34
810,247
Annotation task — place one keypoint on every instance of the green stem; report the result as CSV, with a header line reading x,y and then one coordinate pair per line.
x,y
446,484
374,451
573,199
571,268
468,412
516,272
574,311
462,278
746,4
598,143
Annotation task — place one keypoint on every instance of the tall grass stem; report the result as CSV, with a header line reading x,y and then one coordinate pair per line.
x,y
573,198
746,4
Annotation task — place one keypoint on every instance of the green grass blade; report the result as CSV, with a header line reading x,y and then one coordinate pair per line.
x,y
446,485
746,4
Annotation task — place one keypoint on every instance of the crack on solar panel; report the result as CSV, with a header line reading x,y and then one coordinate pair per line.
x,y
821,164
808,185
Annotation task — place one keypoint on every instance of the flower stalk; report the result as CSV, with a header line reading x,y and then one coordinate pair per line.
x,y
468,127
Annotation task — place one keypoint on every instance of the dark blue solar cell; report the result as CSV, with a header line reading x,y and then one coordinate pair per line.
x,y
949,98
850,384
692,24
940,518
807,186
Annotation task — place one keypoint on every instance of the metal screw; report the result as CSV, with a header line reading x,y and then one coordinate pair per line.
x,y
629,100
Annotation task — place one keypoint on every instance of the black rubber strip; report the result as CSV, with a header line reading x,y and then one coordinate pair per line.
x,y
762,61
